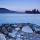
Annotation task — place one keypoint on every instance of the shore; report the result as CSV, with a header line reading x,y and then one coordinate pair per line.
x,y
16,31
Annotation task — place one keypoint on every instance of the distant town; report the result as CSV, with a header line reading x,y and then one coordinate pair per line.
x,y
4,10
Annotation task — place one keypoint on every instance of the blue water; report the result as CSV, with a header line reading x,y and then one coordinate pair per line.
x,y
20,18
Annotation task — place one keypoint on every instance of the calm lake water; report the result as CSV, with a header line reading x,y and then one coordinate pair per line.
x,y
20,18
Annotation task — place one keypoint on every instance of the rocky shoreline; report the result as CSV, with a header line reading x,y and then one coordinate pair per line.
x,y
14,31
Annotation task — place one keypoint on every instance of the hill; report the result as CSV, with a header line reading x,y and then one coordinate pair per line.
x,y
4,10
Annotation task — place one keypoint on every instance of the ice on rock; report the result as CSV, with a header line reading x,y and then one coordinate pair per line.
x,y
17,29
18,35
2,37
18,39
13,33
27,29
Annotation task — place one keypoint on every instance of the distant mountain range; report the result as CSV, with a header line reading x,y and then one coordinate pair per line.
x,y
34,11
4,10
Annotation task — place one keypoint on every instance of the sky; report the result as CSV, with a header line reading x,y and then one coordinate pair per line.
x,y
20,5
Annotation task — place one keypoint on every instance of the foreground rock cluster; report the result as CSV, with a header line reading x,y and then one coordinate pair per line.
x,y
15,31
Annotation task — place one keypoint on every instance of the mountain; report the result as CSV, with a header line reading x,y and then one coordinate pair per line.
x,y
4,10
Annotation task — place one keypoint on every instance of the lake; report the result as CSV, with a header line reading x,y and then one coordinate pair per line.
x,y
20,18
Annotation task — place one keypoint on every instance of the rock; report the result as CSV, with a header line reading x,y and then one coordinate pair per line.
x,y
2,37
4,30
17,28
13,34
9,29
27,29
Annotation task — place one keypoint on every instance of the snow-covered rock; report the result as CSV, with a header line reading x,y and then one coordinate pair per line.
x,y
2,37
27,29
17,28
13,33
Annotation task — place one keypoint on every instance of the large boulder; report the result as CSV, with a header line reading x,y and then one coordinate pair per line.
x,y
27,29
2,37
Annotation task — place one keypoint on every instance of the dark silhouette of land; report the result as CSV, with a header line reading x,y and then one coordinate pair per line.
x,y
34,11
4,10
